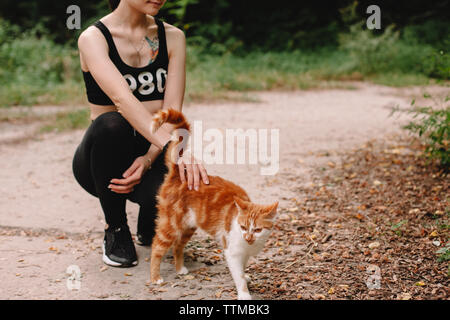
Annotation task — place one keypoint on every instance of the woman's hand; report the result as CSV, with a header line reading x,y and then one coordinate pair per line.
x,y
132,176
193,169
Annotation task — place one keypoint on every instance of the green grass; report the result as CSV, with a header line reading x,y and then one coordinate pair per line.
x,y
70,120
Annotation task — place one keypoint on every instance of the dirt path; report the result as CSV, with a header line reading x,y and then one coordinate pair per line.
x,y
48,223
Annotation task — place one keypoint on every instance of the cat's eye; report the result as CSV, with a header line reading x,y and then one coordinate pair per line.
x,y
244,228
257,230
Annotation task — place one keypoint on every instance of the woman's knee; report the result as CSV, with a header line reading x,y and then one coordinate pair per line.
x,y
111,124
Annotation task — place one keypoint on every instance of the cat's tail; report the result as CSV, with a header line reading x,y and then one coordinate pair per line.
x,y
177,119
169,116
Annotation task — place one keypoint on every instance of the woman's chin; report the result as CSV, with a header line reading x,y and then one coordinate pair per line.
x,y
151,11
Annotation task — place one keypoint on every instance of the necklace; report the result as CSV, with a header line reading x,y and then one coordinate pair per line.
x,y
138,51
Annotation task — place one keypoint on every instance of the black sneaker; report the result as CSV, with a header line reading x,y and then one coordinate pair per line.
x,y
143,240
118,247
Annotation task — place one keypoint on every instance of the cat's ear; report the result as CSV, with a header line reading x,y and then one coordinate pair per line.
x,y
240,204
271,211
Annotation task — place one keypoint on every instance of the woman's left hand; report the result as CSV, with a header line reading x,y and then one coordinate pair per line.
x,y
132,176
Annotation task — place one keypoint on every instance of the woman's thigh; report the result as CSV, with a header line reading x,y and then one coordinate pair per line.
x,y
81,167
104,127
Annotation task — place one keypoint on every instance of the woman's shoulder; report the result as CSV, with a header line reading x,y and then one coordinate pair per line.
x,y
92,33
173,32
91,38
175,39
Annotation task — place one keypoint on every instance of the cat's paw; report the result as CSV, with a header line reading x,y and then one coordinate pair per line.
x,y
158,280
247,278
183,270
244,296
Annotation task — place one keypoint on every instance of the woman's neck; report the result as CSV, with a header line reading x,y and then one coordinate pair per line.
x,y
128,17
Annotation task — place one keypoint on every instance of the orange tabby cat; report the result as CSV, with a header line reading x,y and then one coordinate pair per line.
x,y
220,208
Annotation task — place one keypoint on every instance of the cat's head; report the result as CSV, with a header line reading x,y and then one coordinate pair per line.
x,y
255,220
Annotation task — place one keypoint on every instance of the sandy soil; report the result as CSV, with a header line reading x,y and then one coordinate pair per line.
x,y
48,222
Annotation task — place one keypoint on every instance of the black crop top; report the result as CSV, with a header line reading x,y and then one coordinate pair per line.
x,y
147,83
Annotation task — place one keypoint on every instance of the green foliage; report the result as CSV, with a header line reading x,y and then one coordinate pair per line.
x,y
178,8
444,253
391,53
396,228
433,125
437,65
32,65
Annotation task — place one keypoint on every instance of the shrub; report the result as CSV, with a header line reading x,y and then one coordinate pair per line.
x,y
389,52
33,65
432,124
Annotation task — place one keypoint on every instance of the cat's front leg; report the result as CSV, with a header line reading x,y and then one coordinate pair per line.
x,y
246,276
236,266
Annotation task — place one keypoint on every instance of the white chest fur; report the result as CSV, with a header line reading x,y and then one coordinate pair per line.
x,y
237,245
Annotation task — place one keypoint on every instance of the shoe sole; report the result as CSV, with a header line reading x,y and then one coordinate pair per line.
x,y
111,263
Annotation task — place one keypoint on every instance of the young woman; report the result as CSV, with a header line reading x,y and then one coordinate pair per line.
x,y
133,65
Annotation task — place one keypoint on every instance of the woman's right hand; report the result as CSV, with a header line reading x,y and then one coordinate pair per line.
x,y
191,169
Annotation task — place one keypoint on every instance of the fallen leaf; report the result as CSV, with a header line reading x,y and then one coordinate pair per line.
x,y
433,234
374,245
189,277
420,283
331,291
404,296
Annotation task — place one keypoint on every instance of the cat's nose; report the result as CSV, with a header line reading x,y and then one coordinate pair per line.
x,y
249,239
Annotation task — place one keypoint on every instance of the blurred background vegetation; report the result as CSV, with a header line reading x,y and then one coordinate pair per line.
x,y
237,46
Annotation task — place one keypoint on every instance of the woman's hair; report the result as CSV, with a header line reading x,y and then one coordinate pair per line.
x,y
113,4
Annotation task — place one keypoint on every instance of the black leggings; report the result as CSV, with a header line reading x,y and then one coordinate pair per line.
x,y
109,147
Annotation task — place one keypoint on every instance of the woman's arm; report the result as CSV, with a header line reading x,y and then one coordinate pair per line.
x,y
176,80
190,170
94,52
